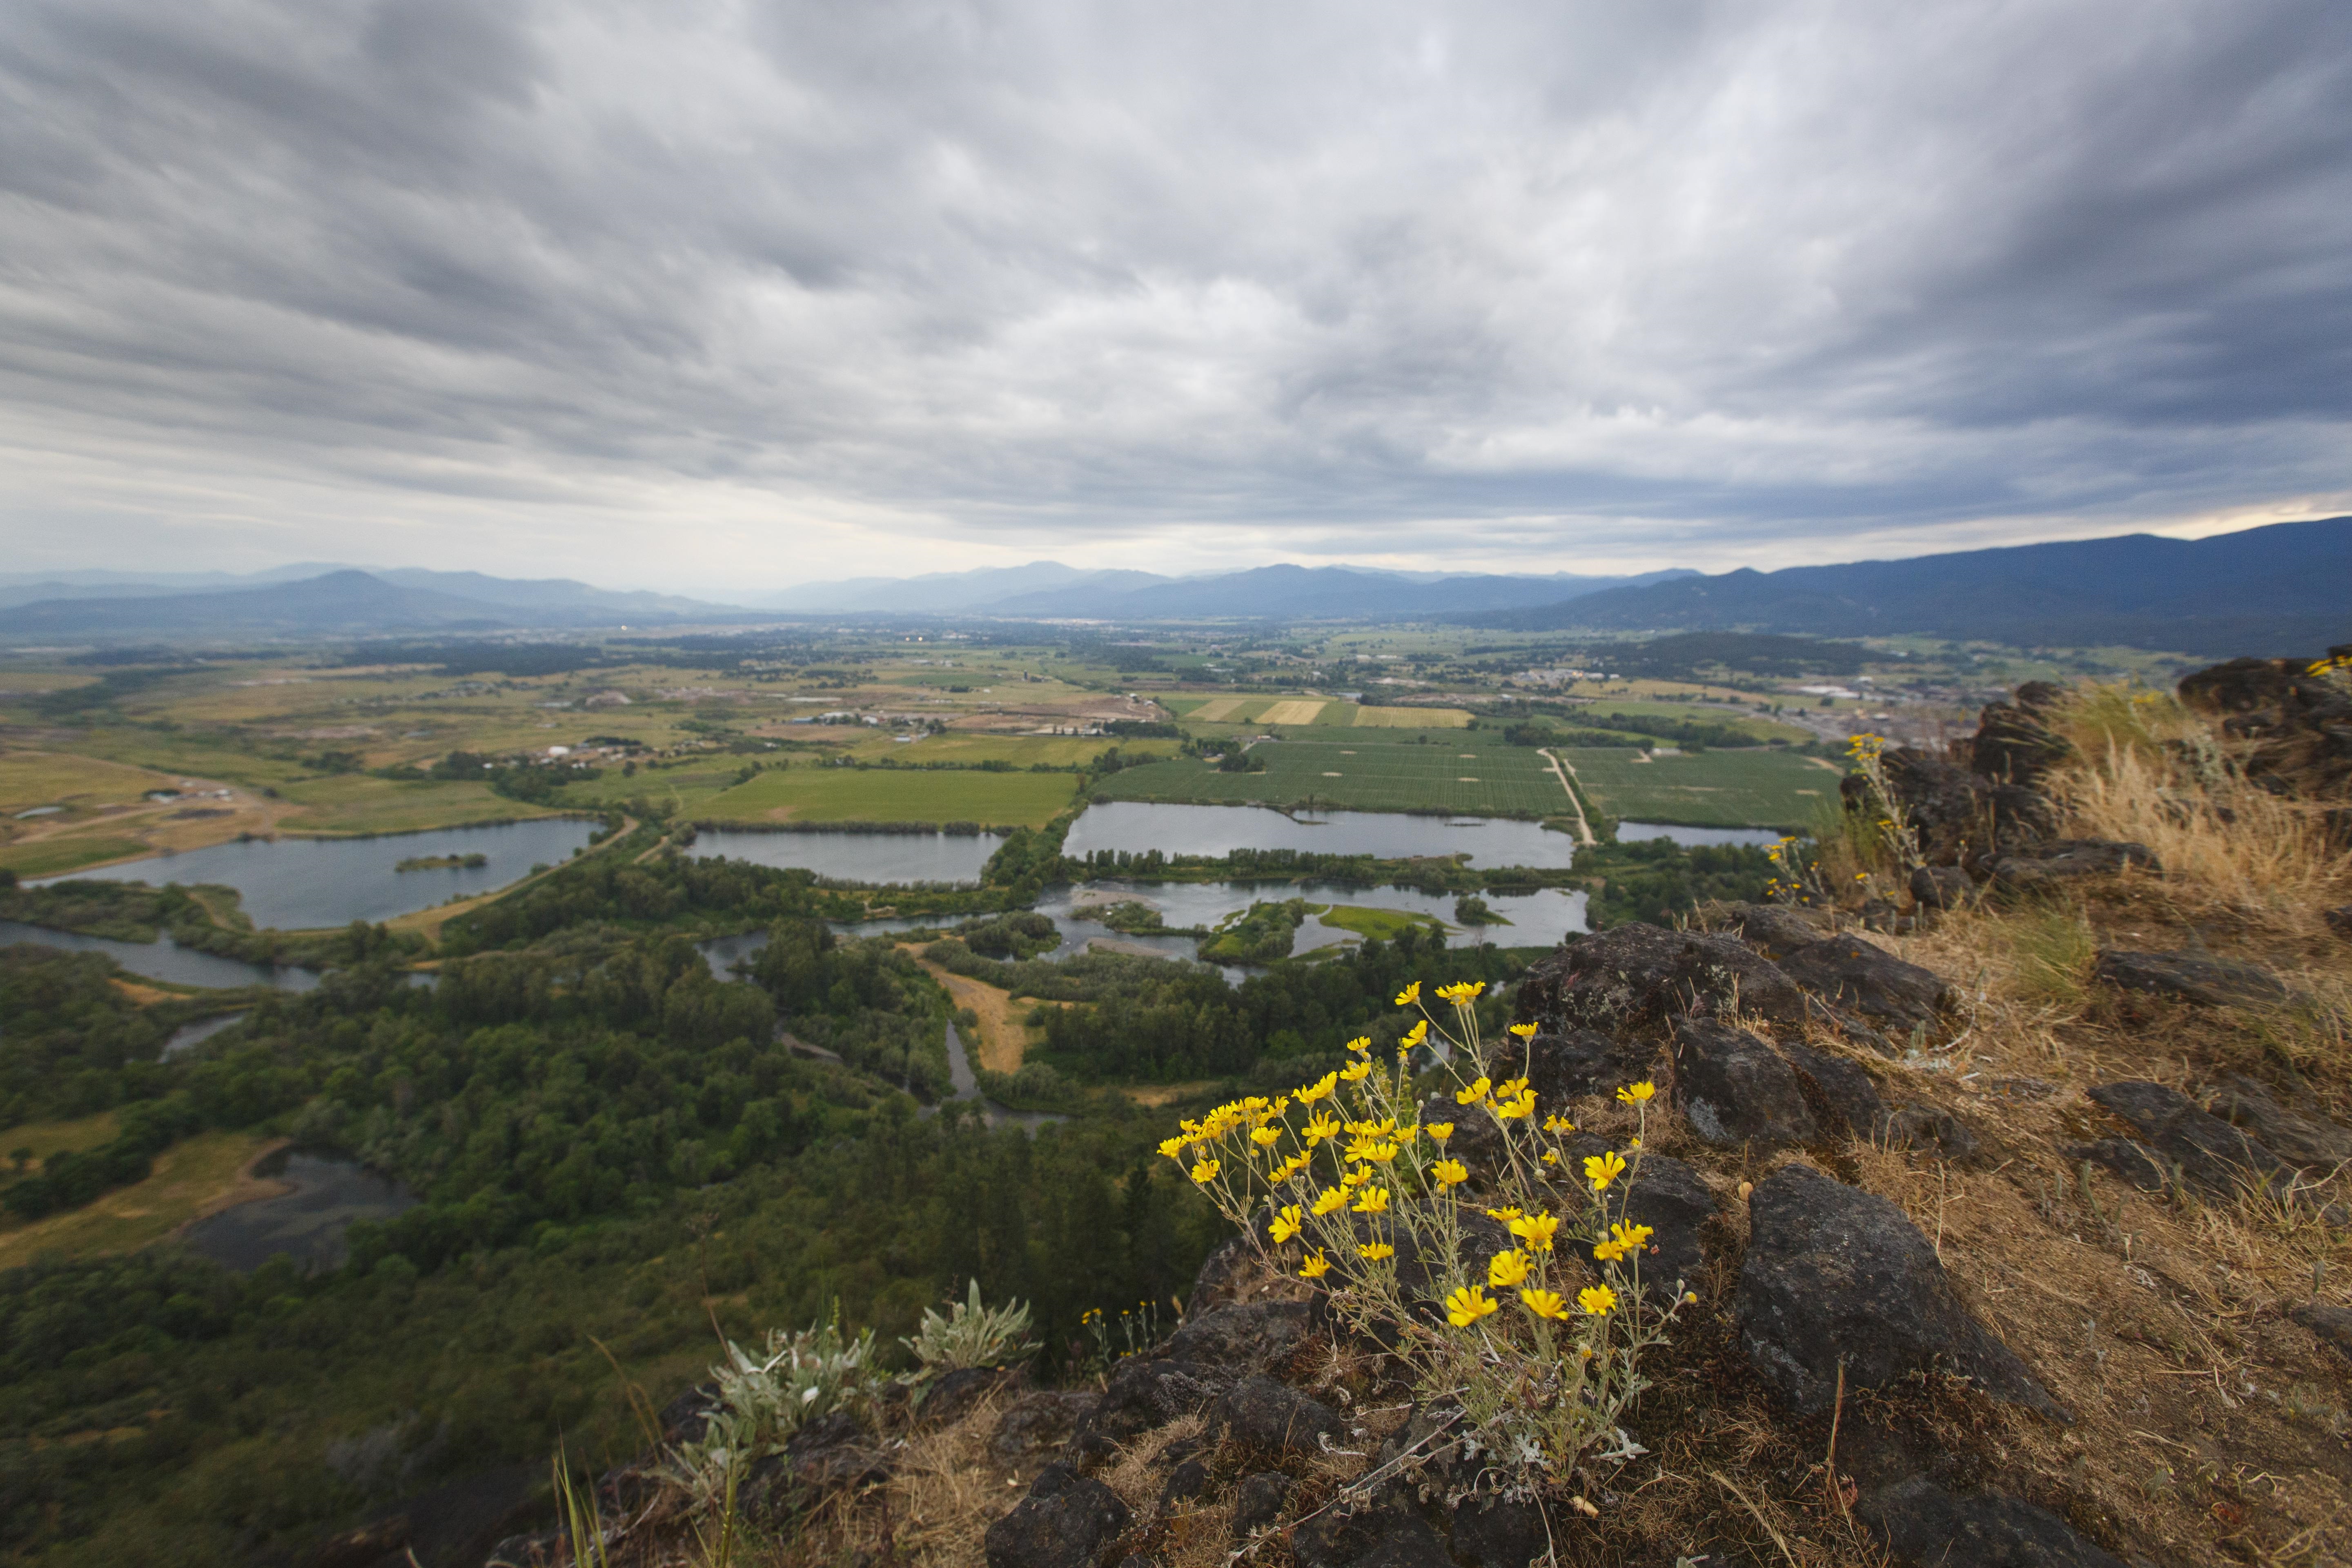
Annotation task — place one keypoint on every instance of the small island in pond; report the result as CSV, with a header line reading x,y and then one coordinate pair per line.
x,y
442,862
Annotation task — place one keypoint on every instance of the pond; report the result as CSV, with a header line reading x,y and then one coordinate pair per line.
x,y
966,1086
164,959
1692,837
1141,827
309,884
307,1222
188,1037
956,858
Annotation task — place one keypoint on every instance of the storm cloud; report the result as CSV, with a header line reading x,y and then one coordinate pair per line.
x,y
776,287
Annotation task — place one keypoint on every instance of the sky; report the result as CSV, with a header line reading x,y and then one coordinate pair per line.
x,y
712,296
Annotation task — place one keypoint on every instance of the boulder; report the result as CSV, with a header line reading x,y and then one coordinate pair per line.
x,y
1942,888
1564,1065
2191,977
1734,1088
1141,1394
1065,1522
1943,806
1635,975
1257,1503
1187,1481
2067,859
1036,1423
2015,743
1926,1526
1668,1197
2240,686
1776,930
2299,1135
1932,1130
1836,1277
2129,1157
1225,1276
1272,1417
1392,1536
955,1394
1842,1095
1260,1336
835,1451
2209,1152
1490,1532
1869,980
2332,1324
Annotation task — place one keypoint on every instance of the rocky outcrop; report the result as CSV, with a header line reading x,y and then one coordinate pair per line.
x,y
1565,1064
2300,1134
1736,1090
1142,1393
1837,1278
2206,1151
1269,1418
1634,982
1067,1520
1925,1526
2190,977
2332,1324
1868,980
2061,860
1256,1337
2296,717
1037,1425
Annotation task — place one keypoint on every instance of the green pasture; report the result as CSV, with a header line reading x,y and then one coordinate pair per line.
x,y
1707,789
1753,724
48,856
850,795
1469,772
1385,925
356,804
29,779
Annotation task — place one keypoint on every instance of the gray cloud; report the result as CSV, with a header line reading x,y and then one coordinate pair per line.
x,y
790,283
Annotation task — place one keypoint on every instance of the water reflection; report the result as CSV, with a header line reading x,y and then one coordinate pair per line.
x,y
307,1224
880,858
309,884
1691,838
966,1086
164,959
1139,828
188,1037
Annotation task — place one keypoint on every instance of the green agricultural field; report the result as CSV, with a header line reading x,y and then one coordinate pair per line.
x,y
30,779
1758,725
850,795
49,857
356,804
1472,772
1708,789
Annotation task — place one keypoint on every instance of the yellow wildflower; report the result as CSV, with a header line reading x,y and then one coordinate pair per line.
x,y
1360,1147
1361,1043
1372,1200
1510,1088
1526,1031
1452,1172
1206,1171
1174,1148
1551,1156
1318,1128
1286,1224
1318,1089
1634,1093
1461,992
1473,1095
1441,1130
1556,1122
1266,1137
1518,1107
1545,1303
1466,1306
1408,995
1602,1169
1376,1250
1597,1299
1505,1269
1536,1230
1414,1036
1356,1072
1380,1154
1633,1236
1505,1216
1356,1177
1331,1200
1315,1268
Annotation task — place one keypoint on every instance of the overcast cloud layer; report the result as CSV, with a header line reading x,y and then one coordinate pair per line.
x,y
699,295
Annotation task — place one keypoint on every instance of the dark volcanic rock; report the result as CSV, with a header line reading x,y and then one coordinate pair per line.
x,y
1736,1090
1489,1532
1839,1087
955,1394
2128,1157
1257,1503
1637,974
2299,1135
2064,859
1142,1394
1038,1422
1223,1277
1562,1066
2300,720
1185,1482
385,1541
1265,1414
1776,930
1925,1525
1834,1275
1669,1198
1944,806
1932,1130
1260,1336
2015,743
1395,1536
1065,1522
2332,1324
835,1451
1942,888
2192,977
2210,1153
1869,981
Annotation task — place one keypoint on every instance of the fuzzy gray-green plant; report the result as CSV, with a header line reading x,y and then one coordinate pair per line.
x,y
764,1399
971,1335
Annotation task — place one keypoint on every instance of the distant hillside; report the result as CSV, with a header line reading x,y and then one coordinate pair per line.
x,y
1316,593
2273,592
350,601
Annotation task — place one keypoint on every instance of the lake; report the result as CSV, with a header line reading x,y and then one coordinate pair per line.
x,y
307,1224
309,884
1692,837
163,959
898,858
1140,826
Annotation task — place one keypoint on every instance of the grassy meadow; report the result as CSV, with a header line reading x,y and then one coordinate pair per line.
x,y
850,795
1705,789
1469,772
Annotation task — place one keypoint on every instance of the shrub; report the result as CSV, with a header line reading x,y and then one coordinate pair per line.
x,y
763,1400
971,1335
1535,1375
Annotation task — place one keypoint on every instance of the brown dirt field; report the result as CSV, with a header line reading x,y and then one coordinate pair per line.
x,y
1002,1036
146,996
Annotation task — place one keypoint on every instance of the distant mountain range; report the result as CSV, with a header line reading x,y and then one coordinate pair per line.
x,y
2274,592
2284,589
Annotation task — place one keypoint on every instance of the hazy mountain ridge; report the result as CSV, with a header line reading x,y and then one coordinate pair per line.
x,y
2273,591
